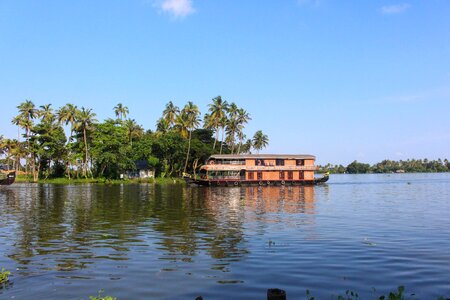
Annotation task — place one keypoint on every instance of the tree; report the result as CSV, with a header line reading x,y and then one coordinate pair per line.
x,y
133,130
260,141
46,112
84,122
217,111
243,117
111,153
27,112
191,113
358,168
121,111
170,113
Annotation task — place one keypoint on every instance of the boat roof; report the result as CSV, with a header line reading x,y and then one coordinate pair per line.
x,y
262,156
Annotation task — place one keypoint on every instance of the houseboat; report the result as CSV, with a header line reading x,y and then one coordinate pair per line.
x,y
7,177
257,169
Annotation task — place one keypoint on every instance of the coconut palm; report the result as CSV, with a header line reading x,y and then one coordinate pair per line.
x,y
27,112
170,113
191,113
162,127
210,124
133,130
232,128
217,111
46,112
260,141
66,115
85,120
243,117
121,111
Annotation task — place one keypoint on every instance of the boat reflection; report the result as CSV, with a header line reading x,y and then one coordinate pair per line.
x,y
72,227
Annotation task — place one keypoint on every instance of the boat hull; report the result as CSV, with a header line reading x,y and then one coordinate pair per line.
x,y
230,183
8,179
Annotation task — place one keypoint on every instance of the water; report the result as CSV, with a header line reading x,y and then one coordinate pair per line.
x,y
368,233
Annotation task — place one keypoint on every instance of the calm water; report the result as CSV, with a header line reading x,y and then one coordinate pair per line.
x,y
360,232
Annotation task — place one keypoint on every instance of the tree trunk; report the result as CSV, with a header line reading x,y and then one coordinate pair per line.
x,y
221,143
216,139
86,153
189,149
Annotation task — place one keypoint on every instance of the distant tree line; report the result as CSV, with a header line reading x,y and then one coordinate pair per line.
x,y
390,166
107,149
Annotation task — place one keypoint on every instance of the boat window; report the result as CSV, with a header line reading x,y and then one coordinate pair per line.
x,y
280,162
260,162
302,175
300,162
259,174
290,175
250,175
281,174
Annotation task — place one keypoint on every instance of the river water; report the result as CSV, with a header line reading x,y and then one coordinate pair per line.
x,y
367,233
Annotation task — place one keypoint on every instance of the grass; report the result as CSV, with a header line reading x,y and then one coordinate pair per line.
x,y
64,180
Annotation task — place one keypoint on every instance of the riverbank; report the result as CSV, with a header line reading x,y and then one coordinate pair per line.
x,y
158,180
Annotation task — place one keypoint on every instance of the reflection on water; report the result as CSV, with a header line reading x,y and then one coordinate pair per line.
x,y
64,228
168,242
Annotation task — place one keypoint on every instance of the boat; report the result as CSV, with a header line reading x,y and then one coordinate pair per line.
x,y
257,170
7,177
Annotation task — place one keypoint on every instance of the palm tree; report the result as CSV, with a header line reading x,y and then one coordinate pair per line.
x,y
133,130
192,121
217,111
243,117
162,127
27,112
260,141
85,120
241,136
170,113
232,128
210,124
121,111
46,112
67,114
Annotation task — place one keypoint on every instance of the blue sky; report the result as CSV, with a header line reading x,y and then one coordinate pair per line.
x,y
343,80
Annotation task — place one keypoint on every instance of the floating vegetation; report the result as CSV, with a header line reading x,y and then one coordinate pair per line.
x,y
4,276
101,297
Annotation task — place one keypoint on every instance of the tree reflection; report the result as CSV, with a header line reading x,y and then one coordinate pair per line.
x,y
70,227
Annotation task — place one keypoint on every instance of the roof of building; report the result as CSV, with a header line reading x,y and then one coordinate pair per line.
x,y
142,165
263,156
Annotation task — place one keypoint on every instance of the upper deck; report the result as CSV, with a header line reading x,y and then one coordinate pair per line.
x,y
261,162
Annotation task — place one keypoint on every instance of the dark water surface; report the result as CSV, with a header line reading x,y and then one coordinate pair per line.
x,y
360,232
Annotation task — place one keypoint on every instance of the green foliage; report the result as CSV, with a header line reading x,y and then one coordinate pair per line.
x,y
100,297
358,168
110,149
107,149
390,166
395,295
4,276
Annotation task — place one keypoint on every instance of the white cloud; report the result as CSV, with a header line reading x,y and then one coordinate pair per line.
x,y
438,94
177,8
394,9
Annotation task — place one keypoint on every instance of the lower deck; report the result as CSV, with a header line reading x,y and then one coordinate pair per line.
x,y
237,182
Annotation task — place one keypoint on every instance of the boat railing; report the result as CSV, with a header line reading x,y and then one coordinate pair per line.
x,y
224,177
282,168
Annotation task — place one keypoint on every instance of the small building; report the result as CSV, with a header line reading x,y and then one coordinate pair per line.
x,y
142,170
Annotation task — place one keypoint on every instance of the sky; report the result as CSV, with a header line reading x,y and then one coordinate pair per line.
x,y
342,80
